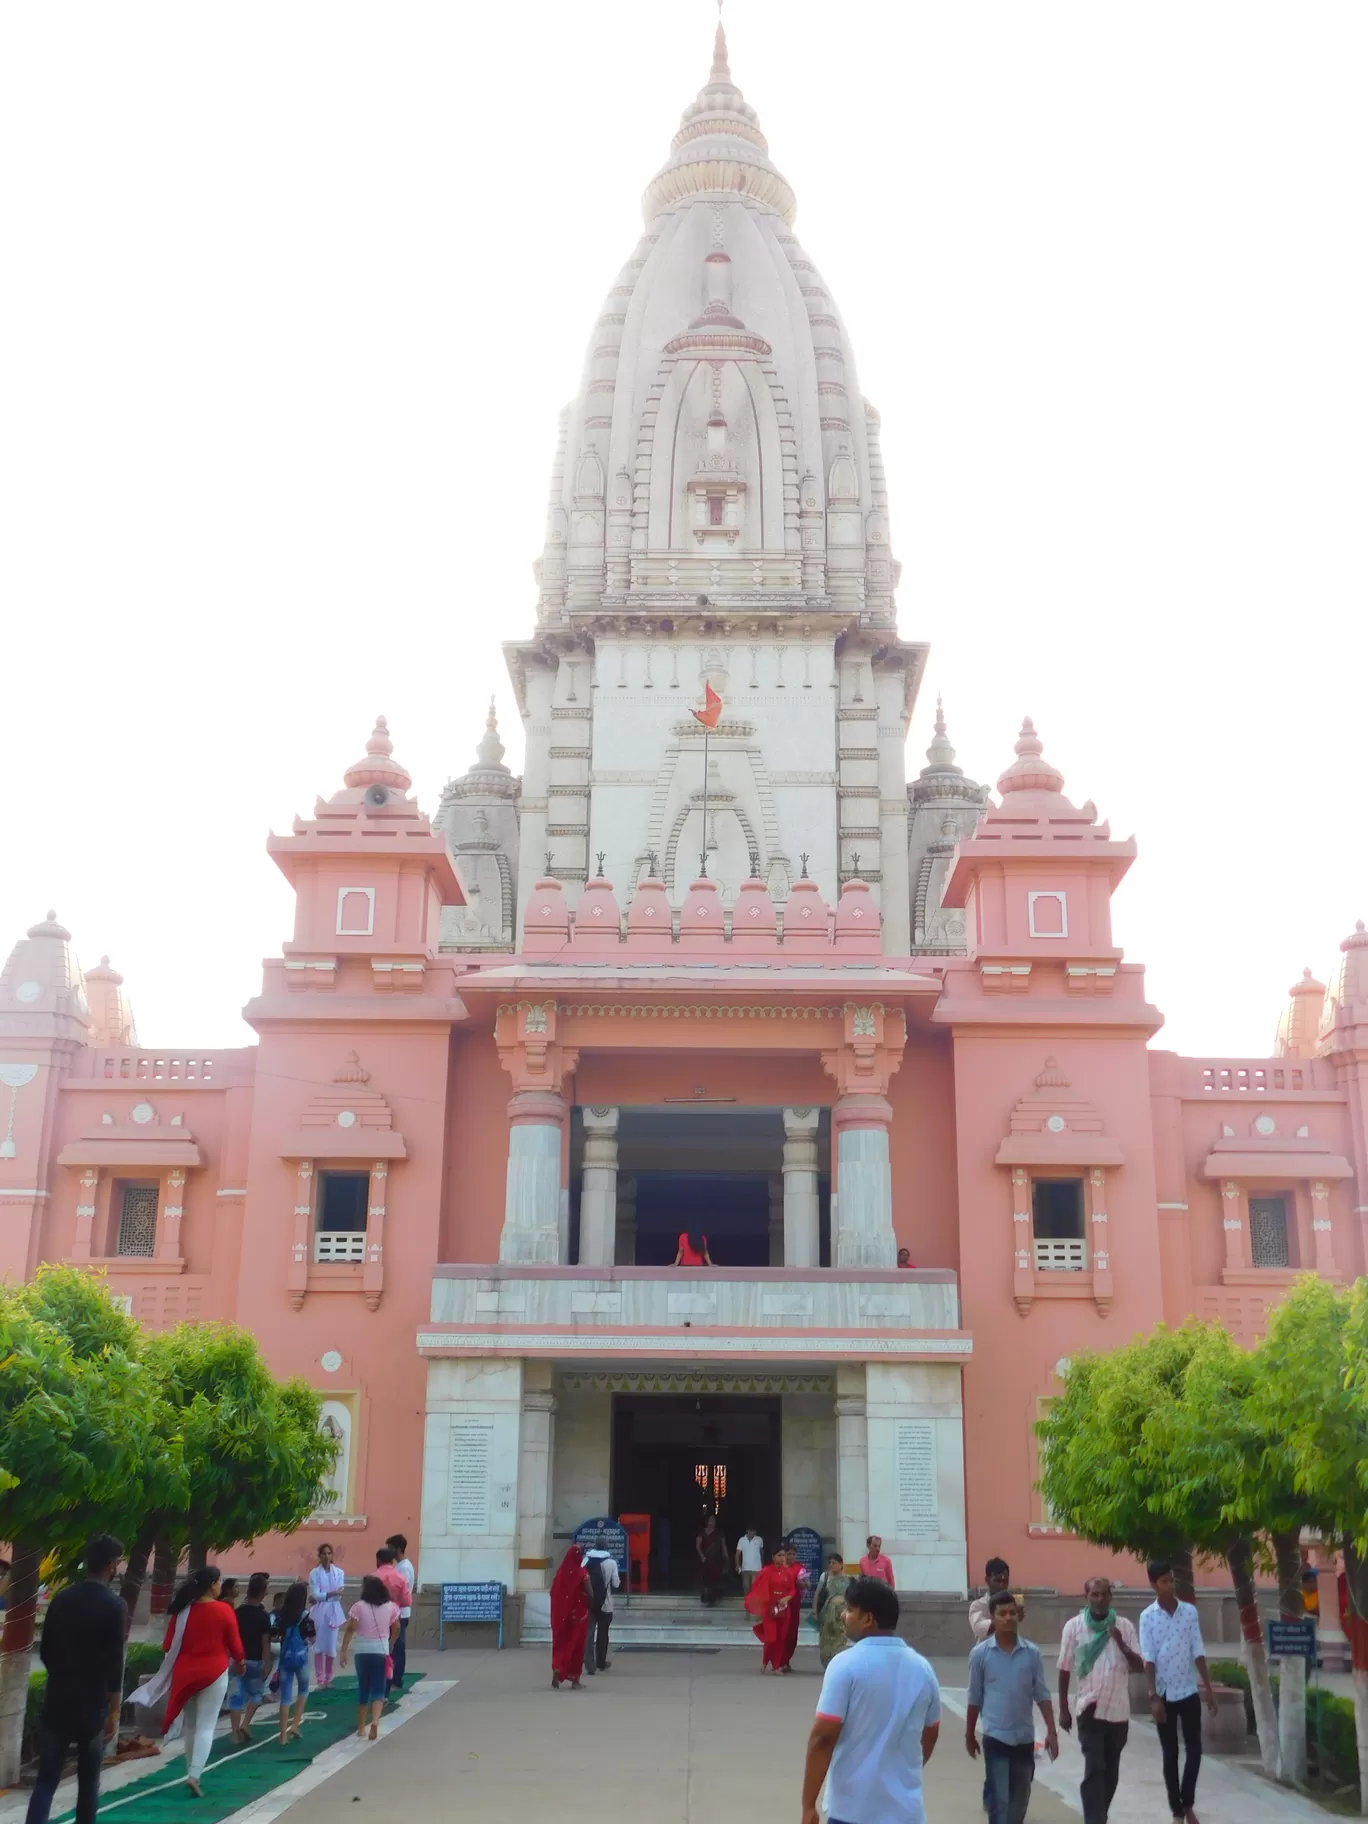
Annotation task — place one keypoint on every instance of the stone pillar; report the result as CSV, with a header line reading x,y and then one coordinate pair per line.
x,y
852,1463
864,1237
170,1210
776,1219
598,1188
624,1253
536,1462
801,1203
532,1203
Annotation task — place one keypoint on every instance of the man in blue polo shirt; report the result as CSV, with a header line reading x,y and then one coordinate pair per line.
x,y
877,1719
1006,1682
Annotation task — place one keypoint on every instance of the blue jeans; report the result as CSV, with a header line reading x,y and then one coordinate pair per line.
x,y
370,1677
400,1655
1010,1767
54,1733
293,1684
248,1686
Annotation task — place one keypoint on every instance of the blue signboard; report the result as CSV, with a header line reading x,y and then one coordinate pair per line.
x,y
470,1602
1291,1639
808,1546
614,1538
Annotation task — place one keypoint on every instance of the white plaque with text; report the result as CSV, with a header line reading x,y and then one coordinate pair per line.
x,y
471,1442
918,1510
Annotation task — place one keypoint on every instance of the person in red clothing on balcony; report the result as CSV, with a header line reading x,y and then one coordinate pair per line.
x,y
693,1251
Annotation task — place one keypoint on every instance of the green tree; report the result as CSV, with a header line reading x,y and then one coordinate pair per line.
x,y
1097,1474
82,1444
1311,1399
254,1456
1206,1447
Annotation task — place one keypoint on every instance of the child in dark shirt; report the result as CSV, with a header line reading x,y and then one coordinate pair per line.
x,y
254,1625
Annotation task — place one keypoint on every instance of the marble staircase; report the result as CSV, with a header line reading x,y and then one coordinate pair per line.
x,y
676,1619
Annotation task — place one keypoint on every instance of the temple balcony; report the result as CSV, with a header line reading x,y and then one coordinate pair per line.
x,y
695,1314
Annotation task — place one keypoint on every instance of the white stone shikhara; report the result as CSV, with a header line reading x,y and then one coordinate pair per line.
x,y
718,514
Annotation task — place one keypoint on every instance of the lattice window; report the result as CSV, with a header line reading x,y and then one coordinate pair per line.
x,y
1268,1231
138,1220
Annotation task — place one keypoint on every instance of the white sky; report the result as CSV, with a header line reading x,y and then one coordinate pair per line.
x,y
294,292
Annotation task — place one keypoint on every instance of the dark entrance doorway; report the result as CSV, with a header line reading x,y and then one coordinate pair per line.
x,y
679,1457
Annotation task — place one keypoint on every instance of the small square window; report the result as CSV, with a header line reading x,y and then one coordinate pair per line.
x,y
342,1201
137,1207
1268,1231
1057,1222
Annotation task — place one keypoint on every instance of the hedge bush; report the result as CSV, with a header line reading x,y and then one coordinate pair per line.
x,y
1339,1743
141,1659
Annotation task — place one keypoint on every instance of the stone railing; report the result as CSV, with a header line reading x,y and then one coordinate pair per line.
x,y
694,1312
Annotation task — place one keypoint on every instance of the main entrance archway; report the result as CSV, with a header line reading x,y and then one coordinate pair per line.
x,y
679,1457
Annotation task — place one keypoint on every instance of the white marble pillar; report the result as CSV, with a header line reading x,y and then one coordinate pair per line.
x,y
864,1235
532,1202
536,1464
852,1463
598,1188
625,1251
802,1242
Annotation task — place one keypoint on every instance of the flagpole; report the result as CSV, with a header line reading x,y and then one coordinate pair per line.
x,y
703,858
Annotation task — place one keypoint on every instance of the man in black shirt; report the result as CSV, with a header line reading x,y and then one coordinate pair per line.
x,y
83,1650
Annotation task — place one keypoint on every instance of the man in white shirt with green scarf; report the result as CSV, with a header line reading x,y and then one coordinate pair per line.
x,y
1103,1649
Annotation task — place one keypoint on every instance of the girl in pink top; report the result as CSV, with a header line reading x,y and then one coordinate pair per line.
x,y
874,1563
373,1624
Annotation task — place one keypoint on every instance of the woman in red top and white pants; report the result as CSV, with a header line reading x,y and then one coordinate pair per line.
x,y
202,1642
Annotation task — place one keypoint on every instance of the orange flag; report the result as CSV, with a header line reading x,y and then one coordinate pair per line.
x,y
711,712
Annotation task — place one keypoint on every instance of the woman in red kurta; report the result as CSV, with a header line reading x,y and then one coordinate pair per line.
x,y
202,1641
773,1599
569,1619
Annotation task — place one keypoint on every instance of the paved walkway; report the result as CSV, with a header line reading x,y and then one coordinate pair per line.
x,y
669,1738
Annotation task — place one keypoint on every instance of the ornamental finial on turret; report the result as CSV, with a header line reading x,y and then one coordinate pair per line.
x,y
490,752
1030,772
378,767
721,70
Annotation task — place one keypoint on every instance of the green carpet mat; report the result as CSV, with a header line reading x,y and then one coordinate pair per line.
x,y
235,1776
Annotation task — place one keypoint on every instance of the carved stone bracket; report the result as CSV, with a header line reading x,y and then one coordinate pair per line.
x,y
873,1040
528,1048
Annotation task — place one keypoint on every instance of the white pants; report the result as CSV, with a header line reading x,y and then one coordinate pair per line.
x,y
201,1716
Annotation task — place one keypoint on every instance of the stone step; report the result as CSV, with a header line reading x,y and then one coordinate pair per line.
x,y
649,1634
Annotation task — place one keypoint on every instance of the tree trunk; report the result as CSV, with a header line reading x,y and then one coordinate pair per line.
x,y
163,1575
136,1574
1292,1687
1185,1588
15,1649
198,1555
1240,1558
1356,1627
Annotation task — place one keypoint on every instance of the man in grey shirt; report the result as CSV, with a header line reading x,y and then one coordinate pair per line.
x,y
1006,1682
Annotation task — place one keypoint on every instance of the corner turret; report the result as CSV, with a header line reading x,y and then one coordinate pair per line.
x,y
478,815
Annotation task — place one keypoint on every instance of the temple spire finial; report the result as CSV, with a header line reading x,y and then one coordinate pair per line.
x,y
490,751
721,70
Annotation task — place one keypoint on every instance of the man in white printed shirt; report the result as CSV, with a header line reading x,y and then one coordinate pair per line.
x,y
1175,1659
1101,1646
750,1558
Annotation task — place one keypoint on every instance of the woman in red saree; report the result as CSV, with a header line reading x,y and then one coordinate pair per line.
x,y
569,1619
773,1600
